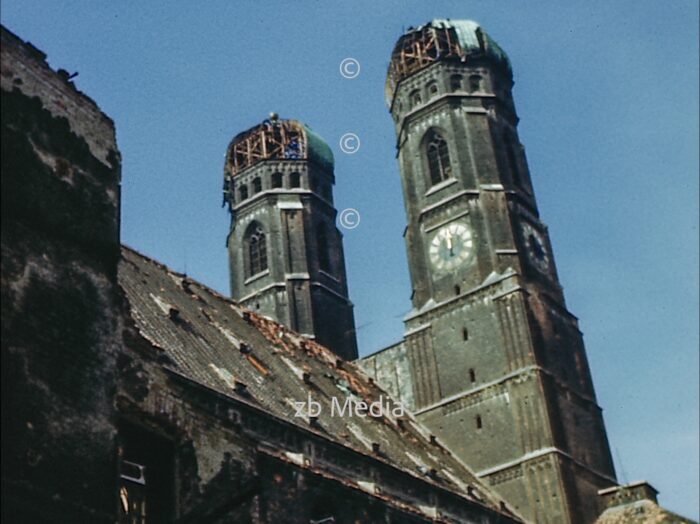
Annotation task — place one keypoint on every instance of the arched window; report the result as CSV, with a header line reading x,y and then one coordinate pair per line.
x,y
432,89
416,99
257,250
242,192
276,180
456,82
257,185
474,83
324,260
438,158
295,180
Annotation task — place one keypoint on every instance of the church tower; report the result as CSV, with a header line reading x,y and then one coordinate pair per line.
x,y
492,361
285,253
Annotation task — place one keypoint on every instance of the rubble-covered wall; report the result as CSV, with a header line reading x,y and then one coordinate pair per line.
x,y
60,327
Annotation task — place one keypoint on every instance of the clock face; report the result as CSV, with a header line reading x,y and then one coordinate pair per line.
x,y
451,246
536,250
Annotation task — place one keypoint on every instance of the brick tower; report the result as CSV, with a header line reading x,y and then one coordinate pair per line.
x,y
285,253
492,361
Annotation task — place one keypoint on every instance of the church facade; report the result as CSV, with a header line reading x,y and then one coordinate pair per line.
x,y
492,361
133,393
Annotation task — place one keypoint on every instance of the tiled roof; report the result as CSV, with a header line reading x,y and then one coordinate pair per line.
x,y
222,346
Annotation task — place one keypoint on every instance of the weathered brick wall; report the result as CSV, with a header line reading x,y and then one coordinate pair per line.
x,y
60,327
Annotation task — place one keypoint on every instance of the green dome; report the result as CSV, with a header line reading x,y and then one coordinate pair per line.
x,y
318,150
470,35
438,40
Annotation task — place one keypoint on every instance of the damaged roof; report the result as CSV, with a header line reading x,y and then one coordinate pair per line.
x,y
253,359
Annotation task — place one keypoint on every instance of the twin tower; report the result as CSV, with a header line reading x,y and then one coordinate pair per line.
x,y
492,362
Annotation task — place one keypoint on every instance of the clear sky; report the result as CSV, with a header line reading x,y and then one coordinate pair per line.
x,y
607,93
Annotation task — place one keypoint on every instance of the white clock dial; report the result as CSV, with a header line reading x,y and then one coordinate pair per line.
x,y
536,250
451,246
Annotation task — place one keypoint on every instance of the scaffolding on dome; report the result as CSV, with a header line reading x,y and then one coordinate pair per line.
x,y
419,49
273,139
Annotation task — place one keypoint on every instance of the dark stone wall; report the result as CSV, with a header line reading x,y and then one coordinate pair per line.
x,y
60,324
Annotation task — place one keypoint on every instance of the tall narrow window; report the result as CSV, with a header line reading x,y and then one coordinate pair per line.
x,y
324,261
276,180
456,82
432,89
438,158
512,159
257,185
458,289
478,422
242,193
465,334
257,251
472,375
295,180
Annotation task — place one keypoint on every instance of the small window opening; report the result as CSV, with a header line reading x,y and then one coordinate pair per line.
x,y
465,334
257,185
295,180
433,89
242,193
479,424
416,99
472,375
458,290
474,83
456,82
276,180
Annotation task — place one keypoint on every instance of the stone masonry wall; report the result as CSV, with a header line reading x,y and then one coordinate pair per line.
x,y
60,330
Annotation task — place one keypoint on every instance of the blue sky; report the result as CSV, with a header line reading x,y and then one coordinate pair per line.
x,y
607,93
